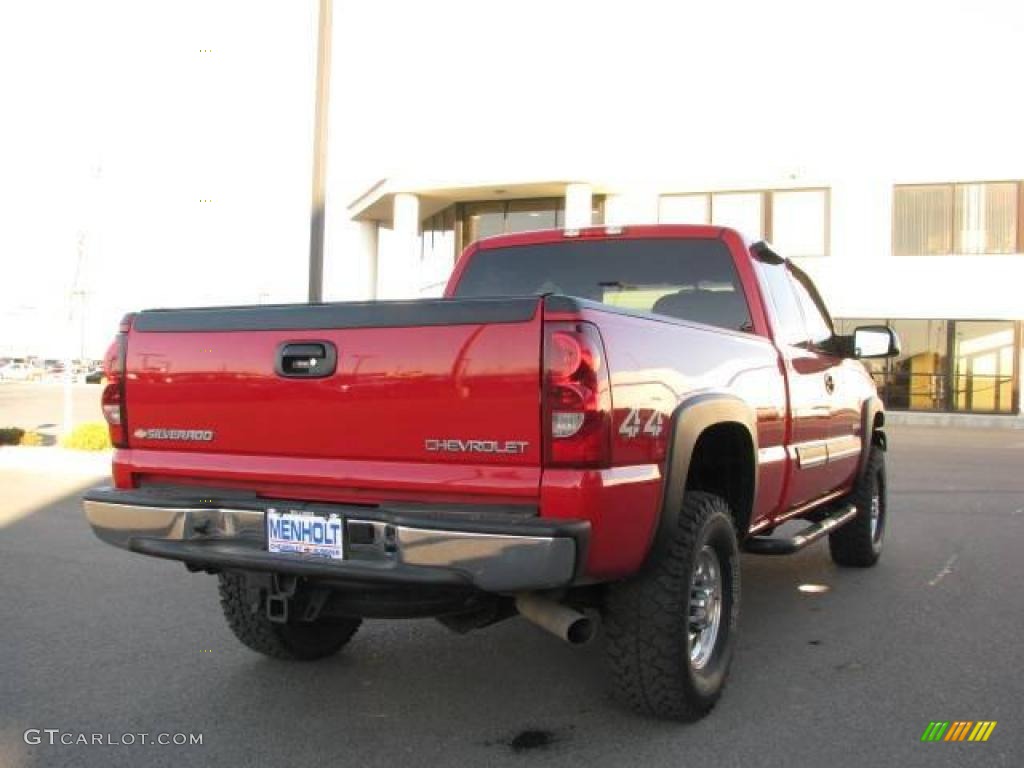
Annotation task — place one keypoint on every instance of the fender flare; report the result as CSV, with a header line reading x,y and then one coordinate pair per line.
x,y
689,421
869,435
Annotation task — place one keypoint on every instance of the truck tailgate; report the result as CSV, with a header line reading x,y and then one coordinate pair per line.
x,y
445,381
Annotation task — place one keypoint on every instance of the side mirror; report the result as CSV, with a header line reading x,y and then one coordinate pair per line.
x,y
875,341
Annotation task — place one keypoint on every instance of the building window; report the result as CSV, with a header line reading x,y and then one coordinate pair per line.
x,y
437,236
796,221
740,210
527,215
983,366
922,220
985,218
482,220
943,219
499,217
800,222
684,209
918,379
948,365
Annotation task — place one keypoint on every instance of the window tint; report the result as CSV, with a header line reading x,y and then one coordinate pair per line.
x,y
689,279
789,322
819,328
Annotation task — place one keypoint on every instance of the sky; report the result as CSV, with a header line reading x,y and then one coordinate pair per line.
x,y
124,126
159,154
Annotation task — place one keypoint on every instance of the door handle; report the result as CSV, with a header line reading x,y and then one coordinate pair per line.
x,y
830,384
306,359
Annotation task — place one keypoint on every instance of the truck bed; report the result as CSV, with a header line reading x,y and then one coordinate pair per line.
x,y
206,387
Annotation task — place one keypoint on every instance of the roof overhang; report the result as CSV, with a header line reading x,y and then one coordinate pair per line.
x,y
377,203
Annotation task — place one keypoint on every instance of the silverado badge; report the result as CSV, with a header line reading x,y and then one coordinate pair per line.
x,y
162,433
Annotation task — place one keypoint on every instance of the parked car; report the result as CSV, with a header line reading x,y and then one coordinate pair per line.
x,y
17,372
95,376
591,424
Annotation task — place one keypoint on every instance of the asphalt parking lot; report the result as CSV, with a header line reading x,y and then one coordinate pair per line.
x,y
94,639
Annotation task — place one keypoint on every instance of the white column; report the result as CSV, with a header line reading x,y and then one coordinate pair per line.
x,y
579,204
368,253
398,268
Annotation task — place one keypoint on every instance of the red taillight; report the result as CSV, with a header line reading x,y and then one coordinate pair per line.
x,y
577,396
564,354
113,400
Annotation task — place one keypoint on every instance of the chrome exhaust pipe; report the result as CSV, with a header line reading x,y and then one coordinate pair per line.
x,y
560,620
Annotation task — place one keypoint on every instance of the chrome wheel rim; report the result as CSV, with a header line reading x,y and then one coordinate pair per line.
x,y
705,610
878,510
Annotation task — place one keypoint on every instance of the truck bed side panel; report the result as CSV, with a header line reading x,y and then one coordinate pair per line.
x,y
655,365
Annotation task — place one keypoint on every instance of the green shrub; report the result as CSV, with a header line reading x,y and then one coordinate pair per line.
x,y
93,436
11,436
32,439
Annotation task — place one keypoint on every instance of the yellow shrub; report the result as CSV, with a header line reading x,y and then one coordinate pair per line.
x,y
93,436
33,439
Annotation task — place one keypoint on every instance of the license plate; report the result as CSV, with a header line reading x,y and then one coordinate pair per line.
x,y
300,533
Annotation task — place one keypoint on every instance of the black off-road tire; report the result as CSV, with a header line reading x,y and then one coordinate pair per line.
x,y
647,621
858,544
295,640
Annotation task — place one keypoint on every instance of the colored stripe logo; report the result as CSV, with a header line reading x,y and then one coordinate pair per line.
x,y
958,730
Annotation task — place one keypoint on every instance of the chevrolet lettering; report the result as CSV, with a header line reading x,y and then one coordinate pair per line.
x,y
452,445
585,432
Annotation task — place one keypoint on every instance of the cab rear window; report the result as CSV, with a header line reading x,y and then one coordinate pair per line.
x,y
690,279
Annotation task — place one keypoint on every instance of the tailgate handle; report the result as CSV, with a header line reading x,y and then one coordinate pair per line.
x,y
306,359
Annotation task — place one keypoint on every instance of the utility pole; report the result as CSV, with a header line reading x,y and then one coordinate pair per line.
x,y
316,219
77,294
75,291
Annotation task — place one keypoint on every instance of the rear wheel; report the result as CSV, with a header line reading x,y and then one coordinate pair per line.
x,y
294,640
671,630
859,543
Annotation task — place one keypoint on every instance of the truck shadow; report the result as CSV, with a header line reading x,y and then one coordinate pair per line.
x,y
512,689
150,648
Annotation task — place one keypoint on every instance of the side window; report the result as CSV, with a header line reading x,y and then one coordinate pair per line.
x,y
819,327
789,322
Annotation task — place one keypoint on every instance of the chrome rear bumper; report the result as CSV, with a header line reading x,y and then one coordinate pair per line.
x,y
381,546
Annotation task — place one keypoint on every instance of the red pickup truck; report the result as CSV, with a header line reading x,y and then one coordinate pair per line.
x,y
588,428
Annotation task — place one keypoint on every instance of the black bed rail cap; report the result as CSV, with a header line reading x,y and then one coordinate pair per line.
x,y
369,314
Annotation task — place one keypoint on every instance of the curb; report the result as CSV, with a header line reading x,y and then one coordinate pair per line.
x,y
54,459
964,420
